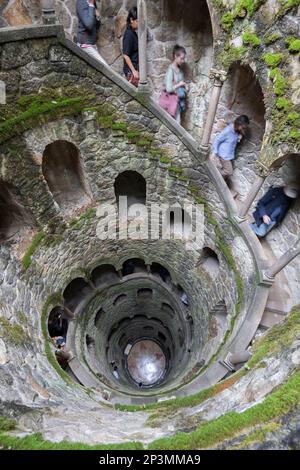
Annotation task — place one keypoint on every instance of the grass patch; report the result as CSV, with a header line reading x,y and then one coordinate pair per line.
x,y
6,424
36,442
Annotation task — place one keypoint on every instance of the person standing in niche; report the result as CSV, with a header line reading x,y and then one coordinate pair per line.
x,y
174,80
131,48
224,145
88,27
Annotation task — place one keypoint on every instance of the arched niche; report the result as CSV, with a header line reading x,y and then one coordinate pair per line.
x,y
132,185
75,292
13,216
105,273
209,262
133,265
158,270
57,322
62,170
242,95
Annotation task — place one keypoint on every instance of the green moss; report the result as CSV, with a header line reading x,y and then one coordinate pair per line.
x,y
13,333
279,403
165,160
227,21
283,103
36,242
38,110
276,338
286,6
280,83
258,435
293,44
231,54
294,134
251,38
175,169
272,60
119,126
36,442
271,38
6,424
86,217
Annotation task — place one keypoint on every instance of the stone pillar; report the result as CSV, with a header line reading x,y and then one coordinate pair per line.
x,y
219,78
256,186
48,12
142,34
282,262
69,313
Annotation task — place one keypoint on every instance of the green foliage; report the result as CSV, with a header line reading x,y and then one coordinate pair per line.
x,y
272,60
293,44
165,160
279,403
251,39
36,242
294,134
13,333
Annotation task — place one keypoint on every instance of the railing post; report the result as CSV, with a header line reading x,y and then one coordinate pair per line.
x,y
255,188
142,34
219,77
282,262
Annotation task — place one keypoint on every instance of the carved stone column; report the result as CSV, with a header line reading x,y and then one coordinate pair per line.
x,y
219,77
48,12
142,34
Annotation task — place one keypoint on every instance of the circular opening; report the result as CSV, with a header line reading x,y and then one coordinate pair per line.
x,y
146,363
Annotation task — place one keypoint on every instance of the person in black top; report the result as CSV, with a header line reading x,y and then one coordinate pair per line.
x,y
131,48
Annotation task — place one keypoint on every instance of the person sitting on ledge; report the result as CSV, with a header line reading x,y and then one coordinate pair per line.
x,y
272,208
131,48
225,144
88,26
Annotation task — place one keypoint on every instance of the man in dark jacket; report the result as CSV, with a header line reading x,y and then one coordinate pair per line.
x,y
272,208
88,25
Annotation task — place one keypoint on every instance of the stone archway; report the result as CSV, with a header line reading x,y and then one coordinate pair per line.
x,y
63,173
242,94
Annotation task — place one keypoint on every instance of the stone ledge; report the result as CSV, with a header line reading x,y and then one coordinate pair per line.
x,y
21,33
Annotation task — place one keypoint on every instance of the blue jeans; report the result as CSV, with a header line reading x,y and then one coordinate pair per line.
x,y
263,229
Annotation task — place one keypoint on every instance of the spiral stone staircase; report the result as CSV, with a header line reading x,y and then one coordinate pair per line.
x,y
148,320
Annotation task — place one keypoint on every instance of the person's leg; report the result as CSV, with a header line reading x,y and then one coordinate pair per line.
x,y
93,52
263,229
178,116
226,169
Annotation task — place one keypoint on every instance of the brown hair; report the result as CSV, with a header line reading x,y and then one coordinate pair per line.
x,y
177,50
